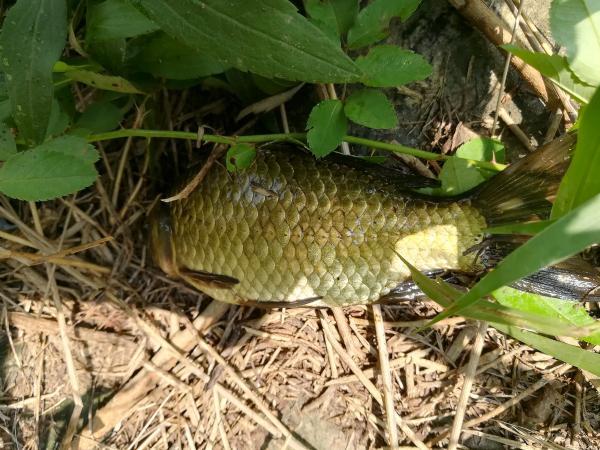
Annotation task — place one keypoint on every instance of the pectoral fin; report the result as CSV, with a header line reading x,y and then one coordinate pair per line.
x,y
206,280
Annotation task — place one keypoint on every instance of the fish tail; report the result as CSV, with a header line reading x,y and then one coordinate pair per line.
x,y
524,192
526,189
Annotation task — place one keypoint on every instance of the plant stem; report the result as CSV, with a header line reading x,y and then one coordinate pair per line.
x,y
258,138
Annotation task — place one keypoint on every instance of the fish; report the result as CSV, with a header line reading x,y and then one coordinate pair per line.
x,y
292,230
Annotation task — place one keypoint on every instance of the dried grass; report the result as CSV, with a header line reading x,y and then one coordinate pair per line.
x,y
157,365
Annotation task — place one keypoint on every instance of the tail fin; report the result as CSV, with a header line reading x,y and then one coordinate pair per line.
x,y
525,190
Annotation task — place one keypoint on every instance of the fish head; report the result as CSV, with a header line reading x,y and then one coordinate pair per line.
x,y
161,243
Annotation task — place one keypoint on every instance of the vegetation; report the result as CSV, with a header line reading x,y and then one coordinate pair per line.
x,y
132,49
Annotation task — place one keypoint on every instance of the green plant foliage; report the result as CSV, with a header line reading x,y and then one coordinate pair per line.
x,y
101,81
333,17
390,66
261,36
33,36
562,310
371,108
373,21
555,67
527,228
567,236
100,117
511,321
576,25
8,147
582,181
116,19
327,126
570,354
239,157
58,167
460,174
163,56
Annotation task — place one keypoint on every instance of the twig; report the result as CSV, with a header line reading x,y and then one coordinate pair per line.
x,y
516,130
410,434
344,329
476,12
467,385
505,71
386,375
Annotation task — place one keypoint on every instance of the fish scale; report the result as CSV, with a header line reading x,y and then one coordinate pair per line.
x,y
291,228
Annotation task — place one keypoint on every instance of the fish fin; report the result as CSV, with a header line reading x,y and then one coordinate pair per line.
x,y
201,279
526,189
409,291
312,302
571,279
394,176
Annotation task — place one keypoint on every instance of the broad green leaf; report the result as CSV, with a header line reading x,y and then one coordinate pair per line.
x,y
59,120
72,146
267,37
371,108
239,157
116,19
390,66
372,22
54,169
482,149
163,56
33,37
567,236
100,117
322,14
576,356
582,180
566,311
101,81
576,25
346,12
459,175
555,67
8,147
333,17
327,126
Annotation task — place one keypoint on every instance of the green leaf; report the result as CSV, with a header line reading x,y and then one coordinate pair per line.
x,y
371,108
33,37
459,175
116,19
346,12
163,56
327,126
390,66
53,169
576,25
571,354
554,67
100,117
567,236
267,37
59,120
581,181
566,311
8,147
482,149
239,157
72,146
322,14
333,17
101,81
373,21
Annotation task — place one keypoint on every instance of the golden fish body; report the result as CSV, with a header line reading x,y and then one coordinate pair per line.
x,y
291,228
